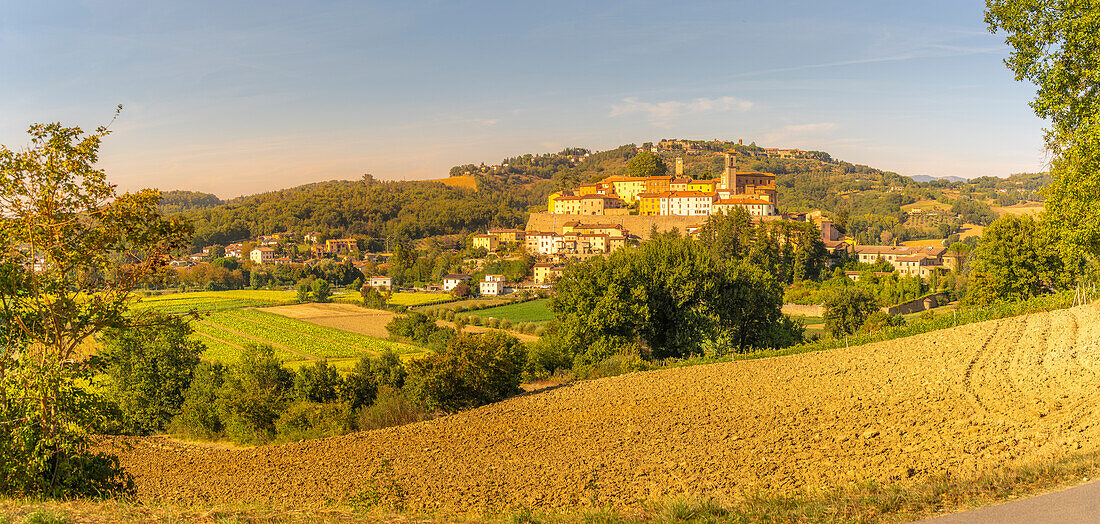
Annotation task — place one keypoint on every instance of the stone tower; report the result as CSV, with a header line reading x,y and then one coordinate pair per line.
x,y
729,176
679,166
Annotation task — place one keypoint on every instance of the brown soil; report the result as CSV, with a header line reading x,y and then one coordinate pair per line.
x,y
995,394
347,317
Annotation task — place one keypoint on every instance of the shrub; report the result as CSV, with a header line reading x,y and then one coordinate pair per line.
x,y
475,370
318,383
256,390
393,408
305,420
505,324
880,319
198,417
847,309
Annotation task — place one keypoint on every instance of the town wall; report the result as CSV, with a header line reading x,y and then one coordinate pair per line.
x,y
918,305
636,225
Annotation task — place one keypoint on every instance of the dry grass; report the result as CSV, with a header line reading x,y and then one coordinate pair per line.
x,y
971,230
1027,208
347,317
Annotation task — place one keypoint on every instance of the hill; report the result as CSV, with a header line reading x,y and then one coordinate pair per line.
x,y
968,399
864,201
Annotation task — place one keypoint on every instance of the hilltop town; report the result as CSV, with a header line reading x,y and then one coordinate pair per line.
x,y
590,219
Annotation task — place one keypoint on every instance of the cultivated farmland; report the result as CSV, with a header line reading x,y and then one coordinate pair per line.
x,y
530,311
215,300
228,322
1000,393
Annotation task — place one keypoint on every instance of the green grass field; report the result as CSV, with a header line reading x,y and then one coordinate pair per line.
x,y
228,322
305,341
215,300
531,311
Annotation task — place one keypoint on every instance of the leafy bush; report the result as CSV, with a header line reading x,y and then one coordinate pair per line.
x,y
150,367
318,383
254,393
393,408
880,319
475,370
304,420
847,309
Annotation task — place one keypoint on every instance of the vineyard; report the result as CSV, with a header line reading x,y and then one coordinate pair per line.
x,y
215,300
228,322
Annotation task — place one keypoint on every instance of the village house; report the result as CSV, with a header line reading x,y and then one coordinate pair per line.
x,y
453,280
234,251
544,273
338,245
908,260
262,255
756,207
489,242
381,282
685,203
492,285
507,235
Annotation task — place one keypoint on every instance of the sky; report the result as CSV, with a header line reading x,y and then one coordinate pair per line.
x,y
243,97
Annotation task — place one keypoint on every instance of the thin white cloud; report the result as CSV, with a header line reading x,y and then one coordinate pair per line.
x,y
660,113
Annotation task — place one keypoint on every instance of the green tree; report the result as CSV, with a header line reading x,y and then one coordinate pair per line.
x,y
847,309
150,367
1054,46
318,383
321,290
646,164
667,297
474,371
72,252
303,292
1012,262
254,392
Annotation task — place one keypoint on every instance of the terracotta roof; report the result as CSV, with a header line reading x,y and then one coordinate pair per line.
x,y
743,201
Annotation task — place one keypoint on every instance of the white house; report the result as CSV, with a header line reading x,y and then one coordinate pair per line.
x,y
262,255
453,280
492,285
383,282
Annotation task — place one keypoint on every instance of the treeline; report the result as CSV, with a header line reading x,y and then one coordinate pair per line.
x,y
154,381
172,202
379,213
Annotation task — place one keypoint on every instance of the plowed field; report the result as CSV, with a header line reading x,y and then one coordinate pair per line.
x,y
980,396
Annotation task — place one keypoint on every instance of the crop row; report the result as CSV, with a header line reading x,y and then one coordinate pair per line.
x,y
220,350
297,335
337,336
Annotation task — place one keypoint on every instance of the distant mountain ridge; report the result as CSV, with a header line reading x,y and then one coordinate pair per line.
x,y
929,178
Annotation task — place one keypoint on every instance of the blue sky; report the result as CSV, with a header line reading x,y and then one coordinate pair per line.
x,y
243,97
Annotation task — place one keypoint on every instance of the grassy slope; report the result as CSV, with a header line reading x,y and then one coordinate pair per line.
x,y
532,311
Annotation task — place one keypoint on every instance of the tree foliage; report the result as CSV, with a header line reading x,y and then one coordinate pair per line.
x,y
475,370
646,164
665,297
72,250
1054,46
1013,262
150,368
847,310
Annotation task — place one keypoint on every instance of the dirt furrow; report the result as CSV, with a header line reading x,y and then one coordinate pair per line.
x,y
896,411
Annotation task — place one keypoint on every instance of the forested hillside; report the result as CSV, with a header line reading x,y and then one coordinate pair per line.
x,y
368,209
870,204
